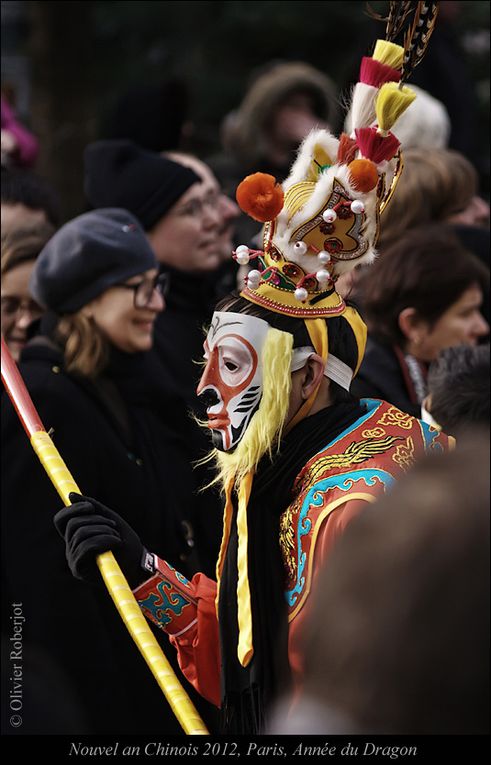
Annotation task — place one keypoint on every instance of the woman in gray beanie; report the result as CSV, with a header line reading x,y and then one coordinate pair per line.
x,y
95,385
99,275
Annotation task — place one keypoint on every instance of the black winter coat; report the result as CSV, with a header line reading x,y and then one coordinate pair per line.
x,y
382,376
119,441
178,344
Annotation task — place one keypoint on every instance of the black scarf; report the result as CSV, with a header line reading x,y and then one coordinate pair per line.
x,y
247,692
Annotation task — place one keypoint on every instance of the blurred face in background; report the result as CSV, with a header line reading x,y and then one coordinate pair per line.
x,y
226,208
19,309
476,213
127,327
186,237
17,216
461,324
293,119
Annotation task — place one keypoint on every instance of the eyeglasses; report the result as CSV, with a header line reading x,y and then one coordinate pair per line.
x,y
143,291
196,207
12,305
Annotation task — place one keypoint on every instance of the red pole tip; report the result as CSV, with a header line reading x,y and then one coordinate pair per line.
x,y
18,393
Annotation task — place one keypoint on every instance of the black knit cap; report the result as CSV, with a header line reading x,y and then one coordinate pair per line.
x,y
121,174
88,255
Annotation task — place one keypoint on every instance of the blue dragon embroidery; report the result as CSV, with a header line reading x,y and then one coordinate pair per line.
x,y
430,435
315,498
162,609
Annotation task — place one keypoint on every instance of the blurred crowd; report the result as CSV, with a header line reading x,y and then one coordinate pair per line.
x,y
105,315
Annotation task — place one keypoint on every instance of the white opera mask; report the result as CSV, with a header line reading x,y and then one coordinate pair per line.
x,y
232,379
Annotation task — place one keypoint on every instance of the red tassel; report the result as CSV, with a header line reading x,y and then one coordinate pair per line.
x,y
373,72
347,149
375,146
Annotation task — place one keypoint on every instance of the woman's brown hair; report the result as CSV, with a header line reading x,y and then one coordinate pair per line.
x,y
23,245
433,186
426,269
85,347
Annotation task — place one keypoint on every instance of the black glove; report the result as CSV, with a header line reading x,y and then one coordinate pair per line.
x,y
89,528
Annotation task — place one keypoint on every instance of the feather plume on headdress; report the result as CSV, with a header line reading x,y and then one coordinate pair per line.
x,y
418,36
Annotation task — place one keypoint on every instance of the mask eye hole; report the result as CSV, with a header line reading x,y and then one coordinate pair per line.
x,y
235,363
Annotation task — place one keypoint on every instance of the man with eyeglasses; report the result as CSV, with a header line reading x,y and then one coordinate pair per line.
x,y
178,209
188,224
228,210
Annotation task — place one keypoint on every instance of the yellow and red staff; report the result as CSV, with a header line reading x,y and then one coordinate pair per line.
x,y
113,577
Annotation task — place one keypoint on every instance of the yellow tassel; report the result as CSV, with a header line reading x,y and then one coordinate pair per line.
x,y
392,101
227,522
360,332
245,649
388,53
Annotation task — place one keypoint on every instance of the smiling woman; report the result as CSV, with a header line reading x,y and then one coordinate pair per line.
x,y
125,321
87,279
95,384
19,252
423,295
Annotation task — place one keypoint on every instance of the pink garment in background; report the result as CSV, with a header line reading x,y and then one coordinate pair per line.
x,y
27,144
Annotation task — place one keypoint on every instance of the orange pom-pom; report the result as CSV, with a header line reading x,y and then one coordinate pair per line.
x,y
260,196
364,176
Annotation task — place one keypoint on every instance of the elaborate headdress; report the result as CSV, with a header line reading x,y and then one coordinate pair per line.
x,y
324,220
321,223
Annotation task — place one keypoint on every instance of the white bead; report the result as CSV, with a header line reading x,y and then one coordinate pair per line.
x,y
301,294
329,216
242,248
324,257
357,206
300,248
322,276
242,258
253,279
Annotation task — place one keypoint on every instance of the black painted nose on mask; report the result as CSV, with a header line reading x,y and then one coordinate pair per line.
x,y
209,397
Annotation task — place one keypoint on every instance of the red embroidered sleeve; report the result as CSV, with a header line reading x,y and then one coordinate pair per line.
x,y
186,611
330,531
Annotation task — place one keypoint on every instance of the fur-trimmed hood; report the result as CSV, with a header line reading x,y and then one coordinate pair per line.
x,y
245,130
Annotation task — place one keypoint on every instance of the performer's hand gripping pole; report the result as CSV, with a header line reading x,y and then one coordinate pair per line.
x,y
115,581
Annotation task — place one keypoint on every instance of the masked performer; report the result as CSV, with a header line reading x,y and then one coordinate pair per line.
x,y
298,457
